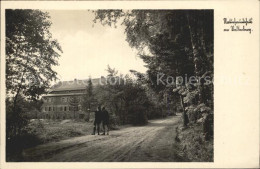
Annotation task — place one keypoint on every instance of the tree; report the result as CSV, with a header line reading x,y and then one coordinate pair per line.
x,y
124,97
74,104
31,52
150,30
178,43
88,98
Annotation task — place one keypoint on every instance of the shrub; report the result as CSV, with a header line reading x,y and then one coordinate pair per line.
x,y
193,145
16,120
137,115
114,122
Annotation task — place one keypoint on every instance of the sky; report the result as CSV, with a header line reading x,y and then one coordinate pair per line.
x,y
88,48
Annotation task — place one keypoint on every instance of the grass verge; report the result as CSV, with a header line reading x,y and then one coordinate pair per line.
x,y
192,145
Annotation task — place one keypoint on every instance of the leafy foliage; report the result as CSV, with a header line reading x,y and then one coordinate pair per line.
x,y
177,43
124,98
31,53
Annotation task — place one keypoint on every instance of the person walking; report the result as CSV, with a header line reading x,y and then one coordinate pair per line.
x,y
98,120
105,120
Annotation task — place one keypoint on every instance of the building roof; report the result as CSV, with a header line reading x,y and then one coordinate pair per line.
x,y
66,94
73,84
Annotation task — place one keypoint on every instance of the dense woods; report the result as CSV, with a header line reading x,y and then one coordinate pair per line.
x,y
177,47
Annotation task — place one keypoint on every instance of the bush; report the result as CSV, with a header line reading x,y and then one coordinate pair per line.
x,y
137,115
16,144
114,122
193,145
16,120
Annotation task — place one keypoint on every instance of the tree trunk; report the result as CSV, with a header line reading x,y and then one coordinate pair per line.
x,y
197,53
20,85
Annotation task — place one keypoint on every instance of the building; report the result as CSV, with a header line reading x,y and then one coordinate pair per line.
x,y
64,100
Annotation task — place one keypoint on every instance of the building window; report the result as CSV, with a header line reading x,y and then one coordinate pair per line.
x,y
49,108
64,99
65,108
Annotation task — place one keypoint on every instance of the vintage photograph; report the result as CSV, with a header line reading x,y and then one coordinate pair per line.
x,y
109,85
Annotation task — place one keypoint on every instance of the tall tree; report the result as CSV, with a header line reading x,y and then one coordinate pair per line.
x,y
31,53
74,105
88,98
178,43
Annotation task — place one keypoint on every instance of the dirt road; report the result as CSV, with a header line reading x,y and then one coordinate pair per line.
x,y
153,142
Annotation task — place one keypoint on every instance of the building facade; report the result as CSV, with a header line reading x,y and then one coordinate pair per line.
x,y
64,100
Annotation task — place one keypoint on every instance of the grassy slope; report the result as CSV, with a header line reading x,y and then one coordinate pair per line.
x,y
48,131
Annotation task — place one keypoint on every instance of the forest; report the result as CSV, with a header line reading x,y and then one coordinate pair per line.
x,y
178,49
177,44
